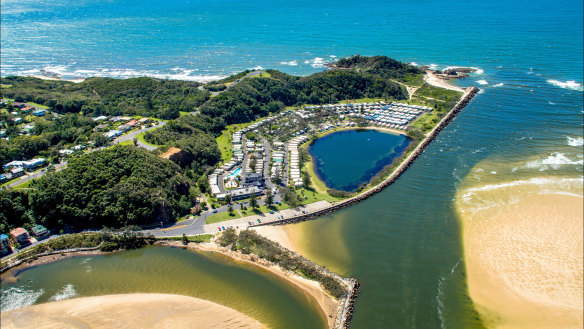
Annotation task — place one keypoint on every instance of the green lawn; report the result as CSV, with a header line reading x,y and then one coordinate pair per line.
x,y
262,75
140,137
128,142
23,185
192,238
181,113
220,217
426,122
438,93
38,105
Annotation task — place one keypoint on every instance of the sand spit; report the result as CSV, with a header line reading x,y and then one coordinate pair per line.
x,y
328,304
433,80
524,259
277,234
128,311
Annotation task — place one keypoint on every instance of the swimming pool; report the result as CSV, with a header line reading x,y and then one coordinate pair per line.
x,y
237,172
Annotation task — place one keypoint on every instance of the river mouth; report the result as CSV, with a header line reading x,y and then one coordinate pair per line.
x,y
348,159
245,288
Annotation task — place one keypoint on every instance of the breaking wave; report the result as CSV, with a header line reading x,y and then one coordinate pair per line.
x,y
482,82
570,84
554,161
67,292
13,298
575,141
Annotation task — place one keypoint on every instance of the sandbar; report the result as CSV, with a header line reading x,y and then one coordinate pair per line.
x,y
128,311
524,262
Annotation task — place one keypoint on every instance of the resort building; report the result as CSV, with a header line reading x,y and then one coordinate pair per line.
x,y
244,193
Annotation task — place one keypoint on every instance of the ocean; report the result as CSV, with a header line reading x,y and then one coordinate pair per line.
x,y
405,244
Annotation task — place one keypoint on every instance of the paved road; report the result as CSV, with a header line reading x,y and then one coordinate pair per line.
x,y
133,134
28,177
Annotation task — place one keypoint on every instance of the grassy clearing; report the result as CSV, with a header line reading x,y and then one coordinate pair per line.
x,y
23,185
413,80
426,122
193,238
221,217
438,93
224,140
261,75
38,105
140,137
5,86
181,113
128,142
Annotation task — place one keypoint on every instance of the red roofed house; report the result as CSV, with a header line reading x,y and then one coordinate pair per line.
x,y
132,123
26,109
20,235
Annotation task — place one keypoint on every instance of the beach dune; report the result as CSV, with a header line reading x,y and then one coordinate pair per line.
x,y
128,311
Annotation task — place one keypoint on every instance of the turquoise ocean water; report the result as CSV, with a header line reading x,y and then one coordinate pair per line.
x,y
403,244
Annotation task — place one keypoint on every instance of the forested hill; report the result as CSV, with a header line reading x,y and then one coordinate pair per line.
x,y
122,185
264,95
382,66
105,96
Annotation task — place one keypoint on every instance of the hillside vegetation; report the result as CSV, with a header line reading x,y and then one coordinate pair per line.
x,y
147,97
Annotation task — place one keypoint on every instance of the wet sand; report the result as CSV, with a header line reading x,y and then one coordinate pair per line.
x,y
128,311
524,261
435,81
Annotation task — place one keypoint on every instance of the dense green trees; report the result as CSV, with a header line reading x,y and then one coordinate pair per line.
x,y
48,133
105,96
262,96
119,186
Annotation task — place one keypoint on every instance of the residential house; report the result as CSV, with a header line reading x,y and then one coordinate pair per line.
x,y
244,193
5,245
40,232
20,236
34,163
18,105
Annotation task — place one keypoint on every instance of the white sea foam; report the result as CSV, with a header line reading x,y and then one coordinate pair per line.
x,y
256,68
414,64
433,66
482,82
575,141
554,161
67,292
333,56
570,84
291,63
499,85
532,181
13,298
317,62
176,73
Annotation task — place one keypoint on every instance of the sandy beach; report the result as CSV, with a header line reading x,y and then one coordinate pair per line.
x,y
524,260
128,311
433,80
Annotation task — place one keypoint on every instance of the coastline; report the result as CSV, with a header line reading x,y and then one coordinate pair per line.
x,y
44,77
143,310
435,81
327,303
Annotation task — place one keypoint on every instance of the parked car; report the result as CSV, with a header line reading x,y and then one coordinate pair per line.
x,y
272,212
223,227
214,211
219,229
259,221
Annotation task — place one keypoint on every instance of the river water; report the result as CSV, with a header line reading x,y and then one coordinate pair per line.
x,y
250,290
